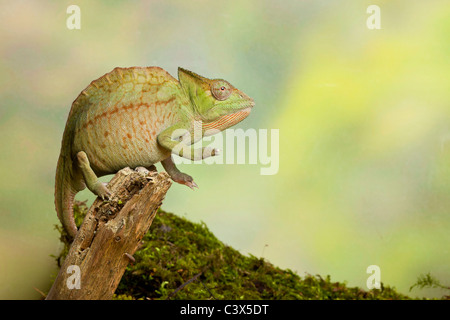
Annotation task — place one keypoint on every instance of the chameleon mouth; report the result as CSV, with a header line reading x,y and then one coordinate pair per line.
x,y
228,120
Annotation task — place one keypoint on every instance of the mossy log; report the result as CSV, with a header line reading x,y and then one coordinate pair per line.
x,y
109,235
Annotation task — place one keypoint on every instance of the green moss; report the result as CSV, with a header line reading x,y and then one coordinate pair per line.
x,y
183,260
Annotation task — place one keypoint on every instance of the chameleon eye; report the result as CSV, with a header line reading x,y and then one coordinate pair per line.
x,y
221,90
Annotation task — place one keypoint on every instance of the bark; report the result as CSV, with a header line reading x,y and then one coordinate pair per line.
x,y
109,235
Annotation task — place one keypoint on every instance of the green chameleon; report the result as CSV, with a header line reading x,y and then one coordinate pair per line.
x,y
136,117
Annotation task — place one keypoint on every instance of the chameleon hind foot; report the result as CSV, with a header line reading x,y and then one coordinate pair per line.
x,y
102,191
96,186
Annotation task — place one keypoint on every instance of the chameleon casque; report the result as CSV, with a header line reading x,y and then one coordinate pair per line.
x,y
131,117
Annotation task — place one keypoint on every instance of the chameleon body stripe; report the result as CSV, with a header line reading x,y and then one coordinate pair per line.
x,y
119,127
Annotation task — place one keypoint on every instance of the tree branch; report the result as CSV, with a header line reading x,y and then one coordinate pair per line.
x,y
110,234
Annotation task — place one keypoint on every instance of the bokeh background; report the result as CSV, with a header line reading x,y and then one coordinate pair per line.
x,y
363,118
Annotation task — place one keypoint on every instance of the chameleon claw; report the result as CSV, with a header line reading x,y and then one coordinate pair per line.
x,y
191,184
103,192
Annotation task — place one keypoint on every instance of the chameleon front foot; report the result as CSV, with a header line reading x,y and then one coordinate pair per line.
x,y
177,175
183,178
146,171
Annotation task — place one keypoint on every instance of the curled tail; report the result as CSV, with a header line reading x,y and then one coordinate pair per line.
x,y
65,195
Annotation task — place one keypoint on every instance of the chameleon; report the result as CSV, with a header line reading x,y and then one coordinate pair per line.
x,y
136,117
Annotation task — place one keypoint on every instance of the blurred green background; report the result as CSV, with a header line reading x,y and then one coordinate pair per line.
x,y
363,119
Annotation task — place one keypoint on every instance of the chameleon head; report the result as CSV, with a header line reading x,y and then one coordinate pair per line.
x,y
215,101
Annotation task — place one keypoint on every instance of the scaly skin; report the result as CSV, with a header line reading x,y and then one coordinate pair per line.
x,y
136,117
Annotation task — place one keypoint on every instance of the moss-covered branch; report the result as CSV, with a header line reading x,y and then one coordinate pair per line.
x,y
179,259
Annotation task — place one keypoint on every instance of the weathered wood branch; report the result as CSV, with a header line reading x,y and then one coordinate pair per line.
x,y
110,234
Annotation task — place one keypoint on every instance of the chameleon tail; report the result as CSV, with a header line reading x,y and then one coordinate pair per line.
x,y
65,195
